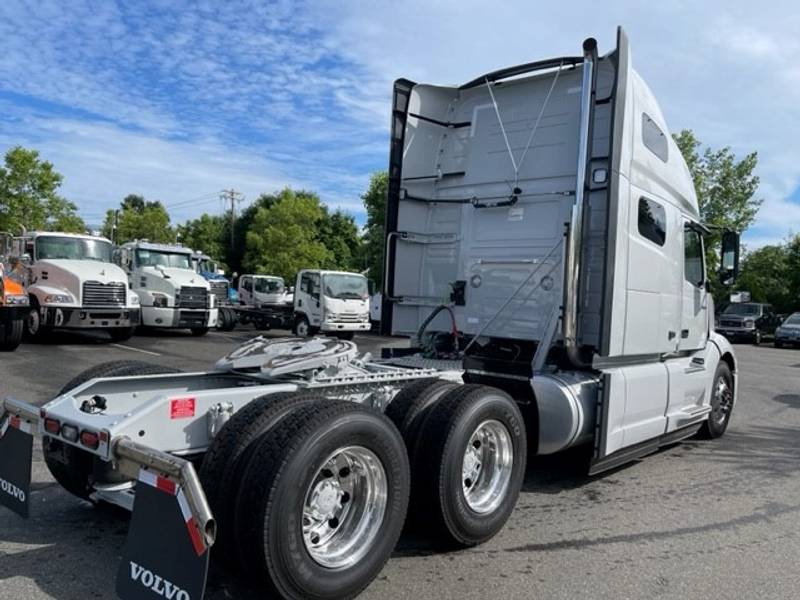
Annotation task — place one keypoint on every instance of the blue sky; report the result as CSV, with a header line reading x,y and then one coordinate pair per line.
x,y
179,100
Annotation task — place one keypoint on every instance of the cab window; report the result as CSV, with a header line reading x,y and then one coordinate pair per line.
x,y
693,270
309,283
247,284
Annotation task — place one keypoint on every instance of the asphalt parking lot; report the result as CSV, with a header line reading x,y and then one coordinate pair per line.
x,y
702,519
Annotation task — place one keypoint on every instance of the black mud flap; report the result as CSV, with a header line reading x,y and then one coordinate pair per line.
x,y
165,556
16,452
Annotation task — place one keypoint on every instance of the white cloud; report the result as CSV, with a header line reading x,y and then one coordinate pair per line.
x,y
177,99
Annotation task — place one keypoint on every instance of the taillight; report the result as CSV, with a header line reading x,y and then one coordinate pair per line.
x,y
52,426
69,433
90,439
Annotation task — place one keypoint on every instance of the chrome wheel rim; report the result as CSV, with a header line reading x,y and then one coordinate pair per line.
x,y
486,467
302,328
723,400
345,507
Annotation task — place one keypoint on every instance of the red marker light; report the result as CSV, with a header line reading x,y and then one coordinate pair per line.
x,y
90,439
52,426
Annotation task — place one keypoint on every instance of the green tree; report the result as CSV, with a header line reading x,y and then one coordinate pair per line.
x,y
29,195
206,234
375,230
766,274
725,188
138,219
338,232
283,238
235,253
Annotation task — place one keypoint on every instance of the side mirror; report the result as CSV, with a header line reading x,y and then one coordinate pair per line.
x,y
729,258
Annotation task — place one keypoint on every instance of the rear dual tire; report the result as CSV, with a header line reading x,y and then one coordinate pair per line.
x,y
467,448
322,501
227,319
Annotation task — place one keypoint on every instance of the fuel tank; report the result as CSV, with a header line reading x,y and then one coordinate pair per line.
x,y
567,405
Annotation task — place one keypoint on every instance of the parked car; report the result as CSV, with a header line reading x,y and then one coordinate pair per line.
x,y
789,332
748,321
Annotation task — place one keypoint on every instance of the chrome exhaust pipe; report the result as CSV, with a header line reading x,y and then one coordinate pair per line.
x,y
575,234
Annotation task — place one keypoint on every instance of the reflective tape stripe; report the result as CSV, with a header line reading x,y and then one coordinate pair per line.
x,y
172,488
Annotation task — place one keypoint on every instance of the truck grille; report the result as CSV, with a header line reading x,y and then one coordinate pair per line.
x,y
96,293
192,297
220,291
727,323
348,318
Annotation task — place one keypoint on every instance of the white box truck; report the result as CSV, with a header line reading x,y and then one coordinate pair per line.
x,y
172,294
333,302
73,284
545,251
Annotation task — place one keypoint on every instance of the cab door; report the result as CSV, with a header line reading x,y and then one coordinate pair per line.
x,y
246,290
694,297
308,297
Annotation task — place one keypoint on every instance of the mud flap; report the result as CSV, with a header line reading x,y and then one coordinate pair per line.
x,y
165,555
16,453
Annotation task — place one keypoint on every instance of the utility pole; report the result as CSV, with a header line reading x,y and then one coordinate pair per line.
x,y
231,196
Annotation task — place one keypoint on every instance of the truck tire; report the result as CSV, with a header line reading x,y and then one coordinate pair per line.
x,y
302,328
475,449
226,459
199,331
757,338
34,329
408,410
722,394
228,319
11,334
323,501
346,335
72,467
121,334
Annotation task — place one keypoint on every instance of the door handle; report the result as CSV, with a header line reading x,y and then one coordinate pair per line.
x,y
671,335
299,303
684,333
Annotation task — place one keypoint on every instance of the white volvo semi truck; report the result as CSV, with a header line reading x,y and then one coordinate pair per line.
x,y
545,252
172,293
73,284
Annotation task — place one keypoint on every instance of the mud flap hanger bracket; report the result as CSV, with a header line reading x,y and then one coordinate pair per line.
x,y
131,458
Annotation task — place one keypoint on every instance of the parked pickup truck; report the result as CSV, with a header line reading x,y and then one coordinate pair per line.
x,y
748,321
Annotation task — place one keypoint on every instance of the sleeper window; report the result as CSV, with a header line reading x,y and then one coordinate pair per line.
x,y
652,221
654,139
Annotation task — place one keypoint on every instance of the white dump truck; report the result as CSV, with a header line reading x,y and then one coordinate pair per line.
x,y
545,252
172,293
333,302
73,284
